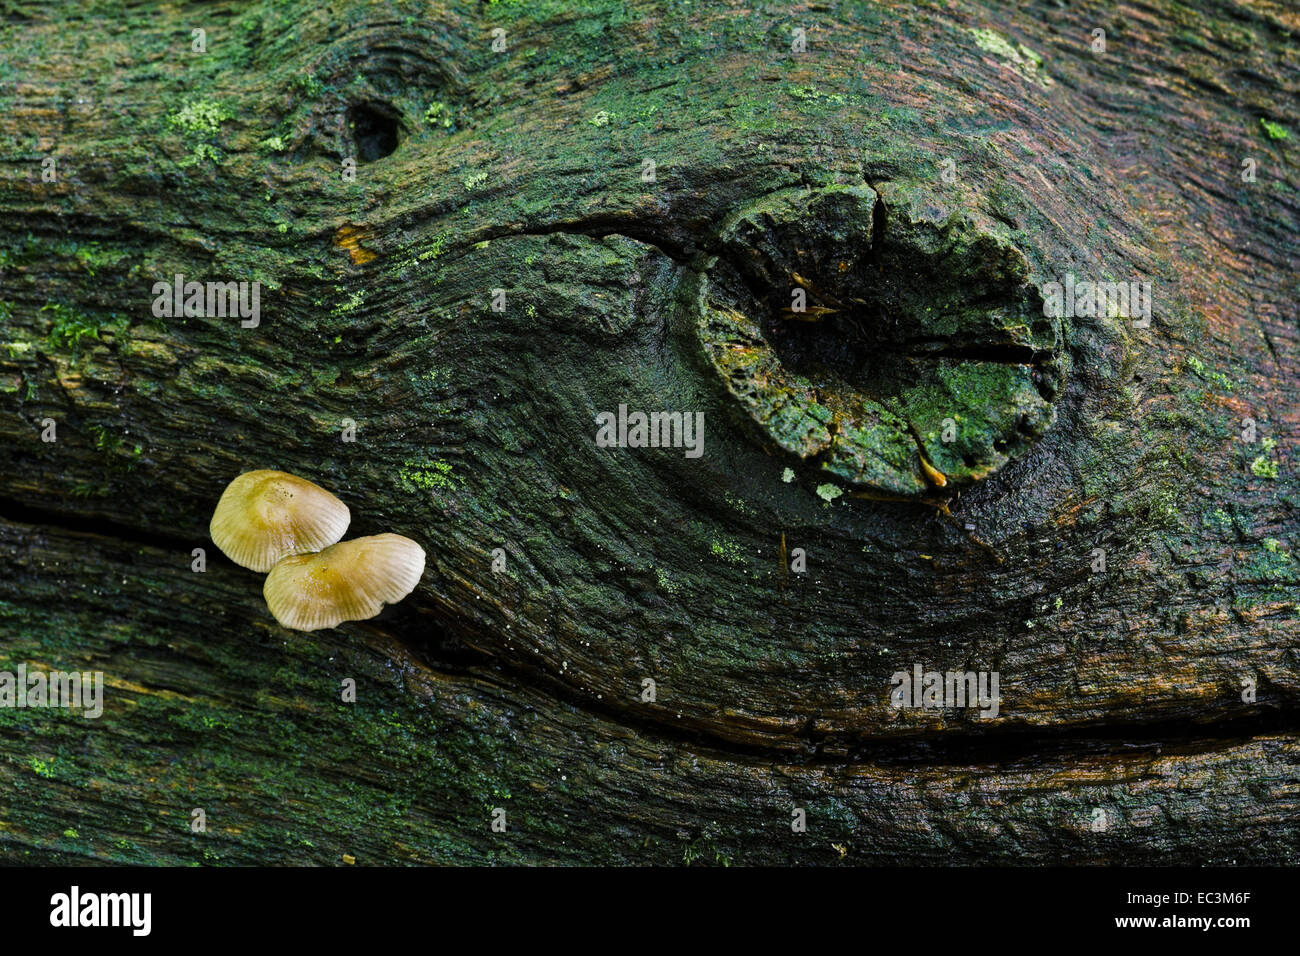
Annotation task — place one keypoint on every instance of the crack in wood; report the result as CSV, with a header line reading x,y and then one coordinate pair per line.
x,y
445,651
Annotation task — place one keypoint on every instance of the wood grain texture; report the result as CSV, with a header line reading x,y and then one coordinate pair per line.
x,y
1122,689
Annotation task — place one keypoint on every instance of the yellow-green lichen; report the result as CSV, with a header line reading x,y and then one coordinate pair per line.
x,y
829,492
199,123
1264,467
1019,57
439,114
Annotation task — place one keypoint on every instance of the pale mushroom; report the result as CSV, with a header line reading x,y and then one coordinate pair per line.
x,y
349,581
264,516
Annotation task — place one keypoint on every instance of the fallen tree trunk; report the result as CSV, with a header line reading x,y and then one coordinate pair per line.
x,y
468,256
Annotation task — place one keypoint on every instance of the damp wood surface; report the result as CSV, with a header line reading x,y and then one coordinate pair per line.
x,y
1122,734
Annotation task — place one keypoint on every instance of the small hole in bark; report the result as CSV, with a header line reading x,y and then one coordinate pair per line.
x,y
375,130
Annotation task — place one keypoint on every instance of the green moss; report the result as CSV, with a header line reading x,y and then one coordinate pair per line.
x,y
355,301
95,257
1264,467
728,551
666,583
1217,519
70,327
199,123
201,116
439,114
1218,378
429,252
307,85
1162,506
103,440
810,94
1273,130
428,476
1274,565
735,501
704,852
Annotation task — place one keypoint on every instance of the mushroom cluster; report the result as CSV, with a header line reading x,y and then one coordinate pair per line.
x,y
271,521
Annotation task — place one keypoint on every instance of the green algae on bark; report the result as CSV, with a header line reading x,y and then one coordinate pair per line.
x,y
525,687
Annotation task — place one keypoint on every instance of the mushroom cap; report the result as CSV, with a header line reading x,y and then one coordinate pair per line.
x,y
348,581
265,515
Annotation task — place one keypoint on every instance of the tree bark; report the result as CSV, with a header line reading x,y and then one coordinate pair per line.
x,y
1099,509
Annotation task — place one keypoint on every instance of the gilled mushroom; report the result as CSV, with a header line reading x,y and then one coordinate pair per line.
x,y
264,516
349,581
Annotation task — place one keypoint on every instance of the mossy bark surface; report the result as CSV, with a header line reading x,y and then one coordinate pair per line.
x,y
648,183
